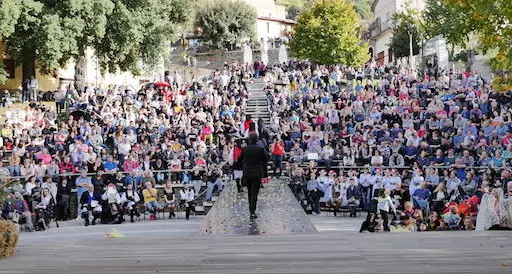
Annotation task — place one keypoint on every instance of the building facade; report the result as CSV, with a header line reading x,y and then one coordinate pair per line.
x,y
380,30
271,22
64,75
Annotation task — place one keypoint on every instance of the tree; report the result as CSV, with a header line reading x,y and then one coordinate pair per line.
x,y
10,12
88,18
140,31
121,31
364,8
226,23
296,7
329,33
489,21
51,31
406,23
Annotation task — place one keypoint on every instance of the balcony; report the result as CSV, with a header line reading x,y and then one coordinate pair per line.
x,y
379,26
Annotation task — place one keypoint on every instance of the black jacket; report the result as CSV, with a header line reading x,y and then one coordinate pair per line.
x,y
254,160
84,199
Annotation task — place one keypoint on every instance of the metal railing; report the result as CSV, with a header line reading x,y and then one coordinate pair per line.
x,y
6,180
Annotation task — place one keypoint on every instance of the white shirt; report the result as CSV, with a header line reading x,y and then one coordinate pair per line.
x,y
39,171
385,204
366,180
415,183
396,181
326,185
29,186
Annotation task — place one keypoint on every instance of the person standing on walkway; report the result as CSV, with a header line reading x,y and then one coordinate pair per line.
x,y
33,85
277,149
384,206
254,160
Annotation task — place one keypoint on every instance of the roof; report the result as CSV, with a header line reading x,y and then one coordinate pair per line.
x,y
286,21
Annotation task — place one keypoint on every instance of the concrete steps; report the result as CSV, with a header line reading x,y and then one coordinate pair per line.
x,y
257,106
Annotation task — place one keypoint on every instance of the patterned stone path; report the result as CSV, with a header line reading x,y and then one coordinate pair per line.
x,y
278,213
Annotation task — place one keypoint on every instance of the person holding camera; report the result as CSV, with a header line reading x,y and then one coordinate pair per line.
x,y
90,205
354,196
315,193
214,180
187,196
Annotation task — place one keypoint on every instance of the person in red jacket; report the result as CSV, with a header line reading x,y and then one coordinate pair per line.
x,y
66,166
277,149
237,167
249,126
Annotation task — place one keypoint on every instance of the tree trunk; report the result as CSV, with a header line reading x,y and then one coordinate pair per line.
x,y
28,68
451,52
469,63
80,71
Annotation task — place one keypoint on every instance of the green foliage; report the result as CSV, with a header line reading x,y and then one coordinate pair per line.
x,y
3,196
328,33
52,31
461,56
226,23
140,30
448,20
3,74
364,8
10,11
459,20
296,7
122,31
406,22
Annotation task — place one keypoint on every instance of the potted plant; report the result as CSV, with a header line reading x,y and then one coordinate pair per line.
x,y
9,232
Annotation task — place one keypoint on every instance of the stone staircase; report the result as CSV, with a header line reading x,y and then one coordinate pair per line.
x,y
279,213
257,105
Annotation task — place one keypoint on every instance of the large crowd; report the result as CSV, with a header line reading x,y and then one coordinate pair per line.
x,y
118,146
429,150
416,153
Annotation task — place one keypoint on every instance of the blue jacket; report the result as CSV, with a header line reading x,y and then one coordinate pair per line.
x,y
353,192
422,193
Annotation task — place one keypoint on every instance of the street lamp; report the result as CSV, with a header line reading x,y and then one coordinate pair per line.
x,y
410,29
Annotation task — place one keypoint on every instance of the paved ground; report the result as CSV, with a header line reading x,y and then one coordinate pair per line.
x,y
176,246
278,213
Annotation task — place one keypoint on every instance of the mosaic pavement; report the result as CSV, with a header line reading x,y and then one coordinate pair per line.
x,y
278,213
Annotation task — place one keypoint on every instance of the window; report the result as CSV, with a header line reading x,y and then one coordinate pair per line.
x,y
380,58
390,55
268,27
10,68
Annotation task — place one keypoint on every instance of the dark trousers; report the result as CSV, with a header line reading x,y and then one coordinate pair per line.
x,y
278,164
59,106
253,188
385,218
239,185
191,207
25,95
315,200
366,191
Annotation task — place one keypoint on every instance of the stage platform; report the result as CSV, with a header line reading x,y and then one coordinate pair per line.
x,y
279,213
175,247
180,246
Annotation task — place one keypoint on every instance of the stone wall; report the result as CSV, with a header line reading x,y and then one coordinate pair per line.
x,y
215,59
